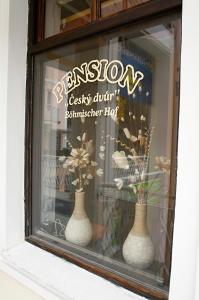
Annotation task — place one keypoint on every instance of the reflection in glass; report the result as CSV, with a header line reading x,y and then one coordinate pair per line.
x,y
132,3
64,15
111,7
102,149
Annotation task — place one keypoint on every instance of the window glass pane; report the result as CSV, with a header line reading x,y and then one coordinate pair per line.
x,y
64,15
111,7
103,170
132,3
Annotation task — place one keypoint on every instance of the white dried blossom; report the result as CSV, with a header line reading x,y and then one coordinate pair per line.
x,y
93,163
101,155
127,133
75,182
162,163
84,137
119,183
132,179
140,136
133,151
62,158
86,182
120,159
137,172
143,175
137,175
89,147
99,172
79,157
66,164
133,138
102,148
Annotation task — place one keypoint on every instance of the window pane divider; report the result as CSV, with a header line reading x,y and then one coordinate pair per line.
x,y
95,10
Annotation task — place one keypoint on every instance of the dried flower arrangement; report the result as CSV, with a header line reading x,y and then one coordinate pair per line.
x,y
80,164
134,158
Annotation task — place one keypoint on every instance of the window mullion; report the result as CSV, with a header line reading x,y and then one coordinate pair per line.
x,y
95,10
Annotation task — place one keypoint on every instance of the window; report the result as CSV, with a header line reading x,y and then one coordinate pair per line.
x,y
66,15
102,115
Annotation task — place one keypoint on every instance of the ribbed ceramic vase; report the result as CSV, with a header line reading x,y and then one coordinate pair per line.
x,y
138,249
78,229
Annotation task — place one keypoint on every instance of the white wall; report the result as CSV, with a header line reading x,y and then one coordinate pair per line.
x,y
13,52
11,289
4,35
184,278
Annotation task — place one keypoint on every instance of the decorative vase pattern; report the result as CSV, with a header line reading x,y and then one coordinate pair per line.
x,y
138,249
78,229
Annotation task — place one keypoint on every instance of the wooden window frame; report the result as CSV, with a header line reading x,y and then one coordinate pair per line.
x,y
38,44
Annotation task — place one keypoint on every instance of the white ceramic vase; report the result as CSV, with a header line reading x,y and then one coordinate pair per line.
x,y
138,249
78,229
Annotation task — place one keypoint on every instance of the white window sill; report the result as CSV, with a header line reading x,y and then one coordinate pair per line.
x,y
54,278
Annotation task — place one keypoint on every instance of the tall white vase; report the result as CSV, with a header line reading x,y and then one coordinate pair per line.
x,y
78,229
138,249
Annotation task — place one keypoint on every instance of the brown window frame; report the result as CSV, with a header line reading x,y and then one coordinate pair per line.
x,y
36,45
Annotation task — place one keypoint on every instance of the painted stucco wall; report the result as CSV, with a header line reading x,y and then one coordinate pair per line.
x,y
11,289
